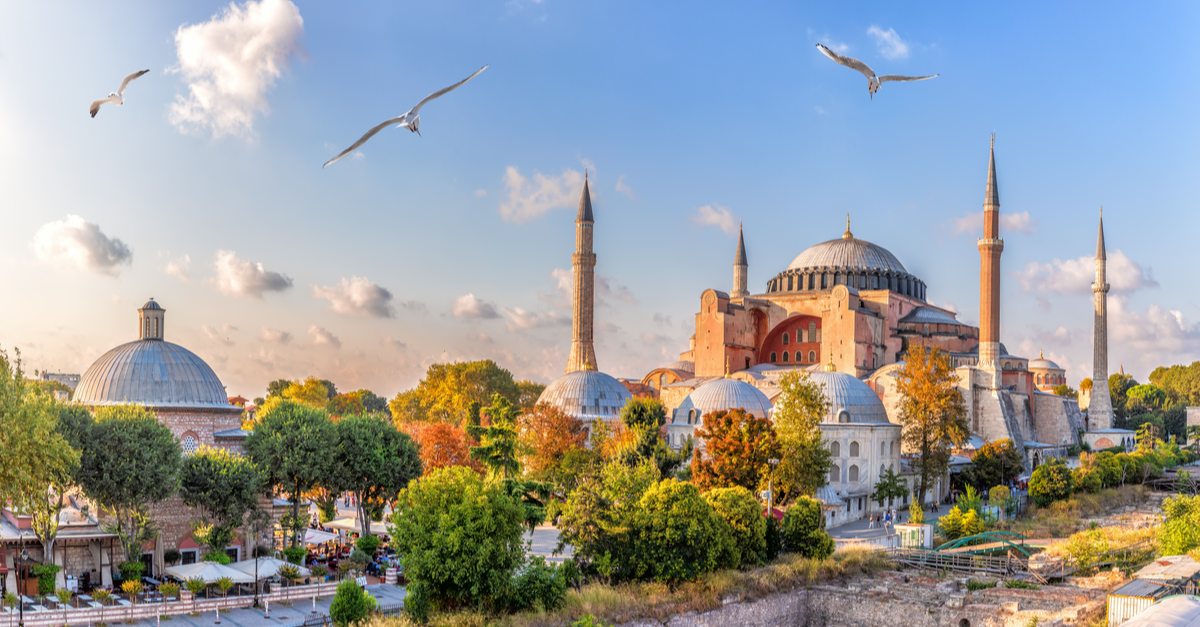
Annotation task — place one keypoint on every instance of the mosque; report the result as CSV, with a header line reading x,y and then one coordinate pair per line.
x,y
845,310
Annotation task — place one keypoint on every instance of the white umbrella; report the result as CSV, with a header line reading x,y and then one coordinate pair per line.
x,y
316,536
209,572
267,567
351,524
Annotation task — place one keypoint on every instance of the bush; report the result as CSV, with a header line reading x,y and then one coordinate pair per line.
x,y
1021,585
1180,532
368,544
130,570
1050,482
351,604
218,558
677,535
803,530
171,556
955,524
295,554
745,521
45,574
540,587
460,539
774,539
264,551
973,585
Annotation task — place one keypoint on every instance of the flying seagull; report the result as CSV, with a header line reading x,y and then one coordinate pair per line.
x,y
873,82
409,120
117,97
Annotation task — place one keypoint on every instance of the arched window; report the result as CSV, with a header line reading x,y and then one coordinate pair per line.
x,y
812,356
835,474
843,418
156,327
881,469
772,356
835,449
785,357
881,449
854,449
693,414
853,474
189,444
892,448
785,340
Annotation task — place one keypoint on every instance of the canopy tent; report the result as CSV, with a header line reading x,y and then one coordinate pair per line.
x,y
209,572
351,524
316,536
267,567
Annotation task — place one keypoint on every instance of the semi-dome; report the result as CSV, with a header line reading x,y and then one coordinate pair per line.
x,y
855,263
586,395
850,400
720,395
685,366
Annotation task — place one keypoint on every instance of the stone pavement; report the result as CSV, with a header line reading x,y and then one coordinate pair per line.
x,y
386,595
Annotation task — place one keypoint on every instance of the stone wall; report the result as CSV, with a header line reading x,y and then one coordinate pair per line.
x,y
1057,419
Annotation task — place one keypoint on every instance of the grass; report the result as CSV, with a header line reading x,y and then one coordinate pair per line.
x,y
1063,518
973,585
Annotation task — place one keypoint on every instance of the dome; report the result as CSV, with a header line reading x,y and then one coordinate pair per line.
x,y
150,304
720,395
154,373
685,366
586,395
847,252
1041,363
846,393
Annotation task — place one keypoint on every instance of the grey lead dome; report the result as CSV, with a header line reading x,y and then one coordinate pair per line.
x,y
586,395
847,252
154,373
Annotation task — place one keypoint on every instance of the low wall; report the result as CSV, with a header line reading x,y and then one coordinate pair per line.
x,y
114,613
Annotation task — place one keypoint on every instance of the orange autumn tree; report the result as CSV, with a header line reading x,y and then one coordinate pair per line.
x,y
549,436
441,445
737,447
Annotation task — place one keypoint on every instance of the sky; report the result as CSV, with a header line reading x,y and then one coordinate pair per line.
x,y
205,189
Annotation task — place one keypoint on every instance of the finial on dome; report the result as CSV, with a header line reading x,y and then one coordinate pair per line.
x,y
1040,354
847,234
587,364
727,366
829,367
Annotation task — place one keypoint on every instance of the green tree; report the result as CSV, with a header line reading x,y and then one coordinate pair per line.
x,y
678,536
804,530
995,463
1118,388
1065,390
459,540
889,486
1180,532
351,604
804,459
130,463
292,444
743,515
312,391
932,412
599,515
276,387
737,449
528,393
1050,482
374,460
1182,383
225,486
1146,397
499,441
448,391
644,418
371,403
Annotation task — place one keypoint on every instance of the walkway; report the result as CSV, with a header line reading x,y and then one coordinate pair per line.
x,y
281,615
858,530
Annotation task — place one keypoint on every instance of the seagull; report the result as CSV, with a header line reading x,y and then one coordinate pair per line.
x,y
873,82
409,120
117,97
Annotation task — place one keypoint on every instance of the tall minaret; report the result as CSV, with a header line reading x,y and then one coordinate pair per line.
x,y
739,268
1100,412
990,247
583,353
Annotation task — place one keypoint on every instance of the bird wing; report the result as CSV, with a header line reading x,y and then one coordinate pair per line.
x,y
849,62
904,79
448,89
362,140
125,83
95,108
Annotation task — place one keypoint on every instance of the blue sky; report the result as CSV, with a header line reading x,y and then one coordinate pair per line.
x,y
454,245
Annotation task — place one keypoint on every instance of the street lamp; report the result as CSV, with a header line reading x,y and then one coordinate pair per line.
x,y
770,492
24,561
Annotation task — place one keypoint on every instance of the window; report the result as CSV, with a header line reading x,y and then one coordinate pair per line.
x,y
189,444
693,414
747,362
874,361
785,340
772,356
812,356
853,474
881,469
188,556
892,449
835,448
785,357
835,474
881,449
234,552
156,327
854,449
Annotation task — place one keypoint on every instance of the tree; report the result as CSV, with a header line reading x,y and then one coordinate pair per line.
x,y
931,410
441,445
459,539
292,445
351,604
737,448
804,530
642,420
1180,531
345,405
548,435
1065,390
995,463
599,515
102,597
312,391
1182,383
371,403
889,486
130,463
73,423
225,486
804,460
1085,385
1146,397
195,585
447,392
1118,386
498,441
373,460
747,527
528,393
1050,482
678,536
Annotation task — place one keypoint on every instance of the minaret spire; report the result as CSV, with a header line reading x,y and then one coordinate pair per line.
x,y
583,352
990,248
1100,412
740,267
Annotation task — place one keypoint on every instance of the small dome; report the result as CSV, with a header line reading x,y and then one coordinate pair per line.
x,y
847,252
150,304
1041,363
850,399
586,395
720,395
153,373
686,366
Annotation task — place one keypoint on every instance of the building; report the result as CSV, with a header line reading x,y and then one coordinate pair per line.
x,y
1174,611
713,396
1046,374
69,380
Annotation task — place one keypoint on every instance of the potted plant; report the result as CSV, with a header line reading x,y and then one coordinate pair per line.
x,y
169,591
195,585
64,597
224,584
102,597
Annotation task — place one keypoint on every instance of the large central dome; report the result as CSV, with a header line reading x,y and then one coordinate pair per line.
x,y
849,261
847,252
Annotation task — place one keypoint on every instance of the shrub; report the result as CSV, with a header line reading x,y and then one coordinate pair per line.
x,y
169,590
540,587
803,530
171,556
955,524
460,539
1021,585
973,585
45,574
368,544
677,535
218,558
1180,532
745,521
295,554
351,604
1050,482
263,551
774,539
916,514
319,571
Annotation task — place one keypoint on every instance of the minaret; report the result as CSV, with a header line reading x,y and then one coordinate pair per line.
x,y
739,268
1100,412
583,353
990,247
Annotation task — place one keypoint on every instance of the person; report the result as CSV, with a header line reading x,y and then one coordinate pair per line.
x,y
872,523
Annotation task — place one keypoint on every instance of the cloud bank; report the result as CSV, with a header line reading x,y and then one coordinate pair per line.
x,y
322,337
529,198
238,277
1075,276
76,243
357,296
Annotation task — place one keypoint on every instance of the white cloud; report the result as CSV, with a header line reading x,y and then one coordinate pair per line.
x,y
178,267
519,319
228,327
75,242
394,343
357,296
718,216
949,306
529,199
275,335
231,62
323,337
1075,276
890,44
472,308
479,337
606,289
480,193
216,336
238,277
623,188
819,110
1157,337
972,222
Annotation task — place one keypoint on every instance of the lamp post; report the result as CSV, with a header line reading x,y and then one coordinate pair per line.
x,y
770,489
24,561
